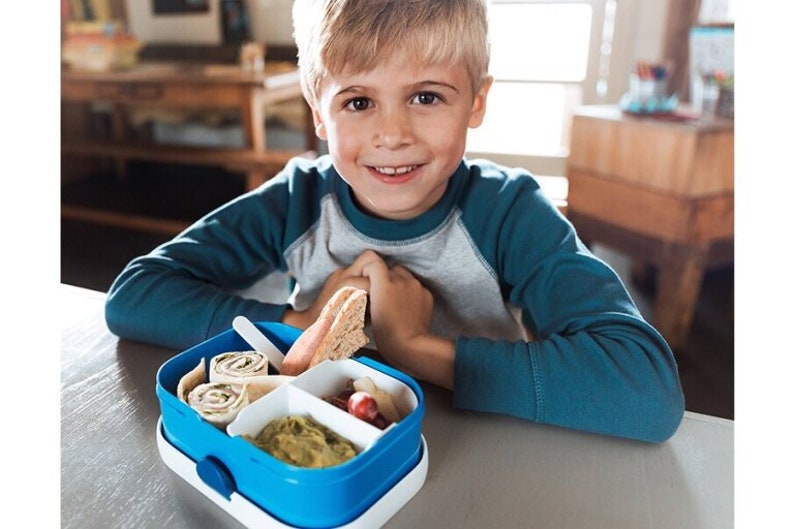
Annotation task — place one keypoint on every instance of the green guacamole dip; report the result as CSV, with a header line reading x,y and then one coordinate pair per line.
x,y
303,442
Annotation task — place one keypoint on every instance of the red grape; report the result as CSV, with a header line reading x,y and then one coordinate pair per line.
x,y
363,406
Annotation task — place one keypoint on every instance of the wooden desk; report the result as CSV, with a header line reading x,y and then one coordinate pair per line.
x,y
183,86
659,190
484,470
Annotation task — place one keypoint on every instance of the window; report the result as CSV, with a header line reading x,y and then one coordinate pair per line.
x,y
547,57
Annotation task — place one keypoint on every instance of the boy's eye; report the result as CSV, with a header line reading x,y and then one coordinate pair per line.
x,y
426,98
358,104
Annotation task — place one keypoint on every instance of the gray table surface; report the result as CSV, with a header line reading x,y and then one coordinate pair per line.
x,y
484,470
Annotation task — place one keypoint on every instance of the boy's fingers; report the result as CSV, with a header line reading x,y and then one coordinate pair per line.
x,y
361,282
402,272
375,269
356,268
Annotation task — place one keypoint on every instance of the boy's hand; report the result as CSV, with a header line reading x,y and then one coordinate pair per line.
x,y
349,276
401,309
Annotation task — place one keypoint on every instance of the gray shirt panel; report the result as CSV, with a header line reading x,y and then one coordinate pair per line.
x,y
445,260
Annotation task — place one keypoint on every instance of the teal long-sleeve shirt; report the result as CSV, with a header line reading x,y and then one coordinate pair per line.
x,y
543,330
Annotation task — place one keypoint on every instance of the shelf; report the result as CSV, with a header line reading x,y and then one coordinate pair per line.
x,y
154,197
113,206
241,160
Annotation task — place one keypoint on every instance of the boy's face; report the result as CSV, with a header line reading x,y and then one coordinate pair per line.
x,y
397,133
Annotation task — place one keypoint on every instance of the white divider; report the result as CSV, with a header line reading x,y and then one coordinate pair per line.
x,y
291,400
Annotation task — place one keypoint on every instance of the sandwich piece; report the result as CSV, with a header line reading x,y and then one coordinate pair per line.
x,y
337,334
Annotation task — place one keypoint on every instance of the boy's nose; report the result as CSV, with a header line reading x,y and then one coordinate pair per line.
x,y
393,130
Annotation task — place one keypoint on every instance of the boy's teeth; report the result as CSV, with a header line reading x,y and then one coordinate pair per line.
x,y
395,170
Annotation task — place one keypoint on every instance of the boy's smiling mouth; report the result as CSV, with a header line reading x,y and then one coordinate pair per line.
x,y
394,174
395,171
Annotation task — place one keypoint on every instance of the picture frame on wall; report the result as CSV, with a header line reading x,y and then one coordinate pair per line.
x,y
171,7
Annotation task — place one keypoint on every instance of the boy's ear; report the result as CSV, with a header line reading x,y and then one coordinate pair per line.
x,y
478,106
319,125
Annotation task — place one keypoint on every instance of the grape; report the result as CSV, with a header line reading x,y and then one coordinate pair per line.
x,y
362,405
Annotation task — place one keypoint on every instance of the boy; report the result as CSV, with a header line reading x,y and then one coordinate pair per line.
x,y
476,282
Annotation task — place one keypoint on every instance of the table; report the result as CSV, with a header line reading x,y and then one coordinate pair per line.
x,y
660,190
484,470
183,85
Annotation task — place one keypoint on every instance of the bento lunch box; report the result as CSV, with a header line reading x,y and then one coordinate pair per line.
x,y
234,468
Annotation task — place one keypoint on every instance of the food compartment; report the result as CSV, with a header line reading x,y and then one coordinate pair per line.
x,y
291,401
329,378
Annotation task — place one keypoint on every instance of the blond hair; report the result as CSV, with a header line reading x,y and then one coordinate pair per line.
x,y
354,36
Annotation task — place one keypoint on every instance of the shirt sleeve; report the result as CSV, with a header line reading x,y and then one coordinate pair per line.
x,y
183,292
594,364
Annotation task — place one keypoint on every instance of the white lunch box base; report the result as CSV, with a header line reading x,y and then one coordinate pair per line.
x,y
251,515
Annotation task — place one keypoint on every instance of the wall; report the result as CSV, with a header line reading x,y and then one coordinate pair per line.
x,y
648,31
271,22
641,23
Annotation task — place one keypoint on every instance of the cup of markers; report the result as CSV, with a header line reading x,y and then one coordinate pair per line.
x,y
648,90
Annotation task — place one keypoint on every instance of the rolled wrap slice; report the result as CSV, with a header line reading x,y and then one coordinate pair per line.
x,y
247,368
190,380
218,402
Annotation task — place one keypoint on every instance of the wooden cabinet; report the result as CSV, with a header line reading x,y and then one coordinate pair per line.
x,y
660,190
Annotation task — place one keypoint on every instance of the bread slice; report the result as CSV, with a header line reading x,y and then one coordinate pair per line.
x,y
346,335
338,333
